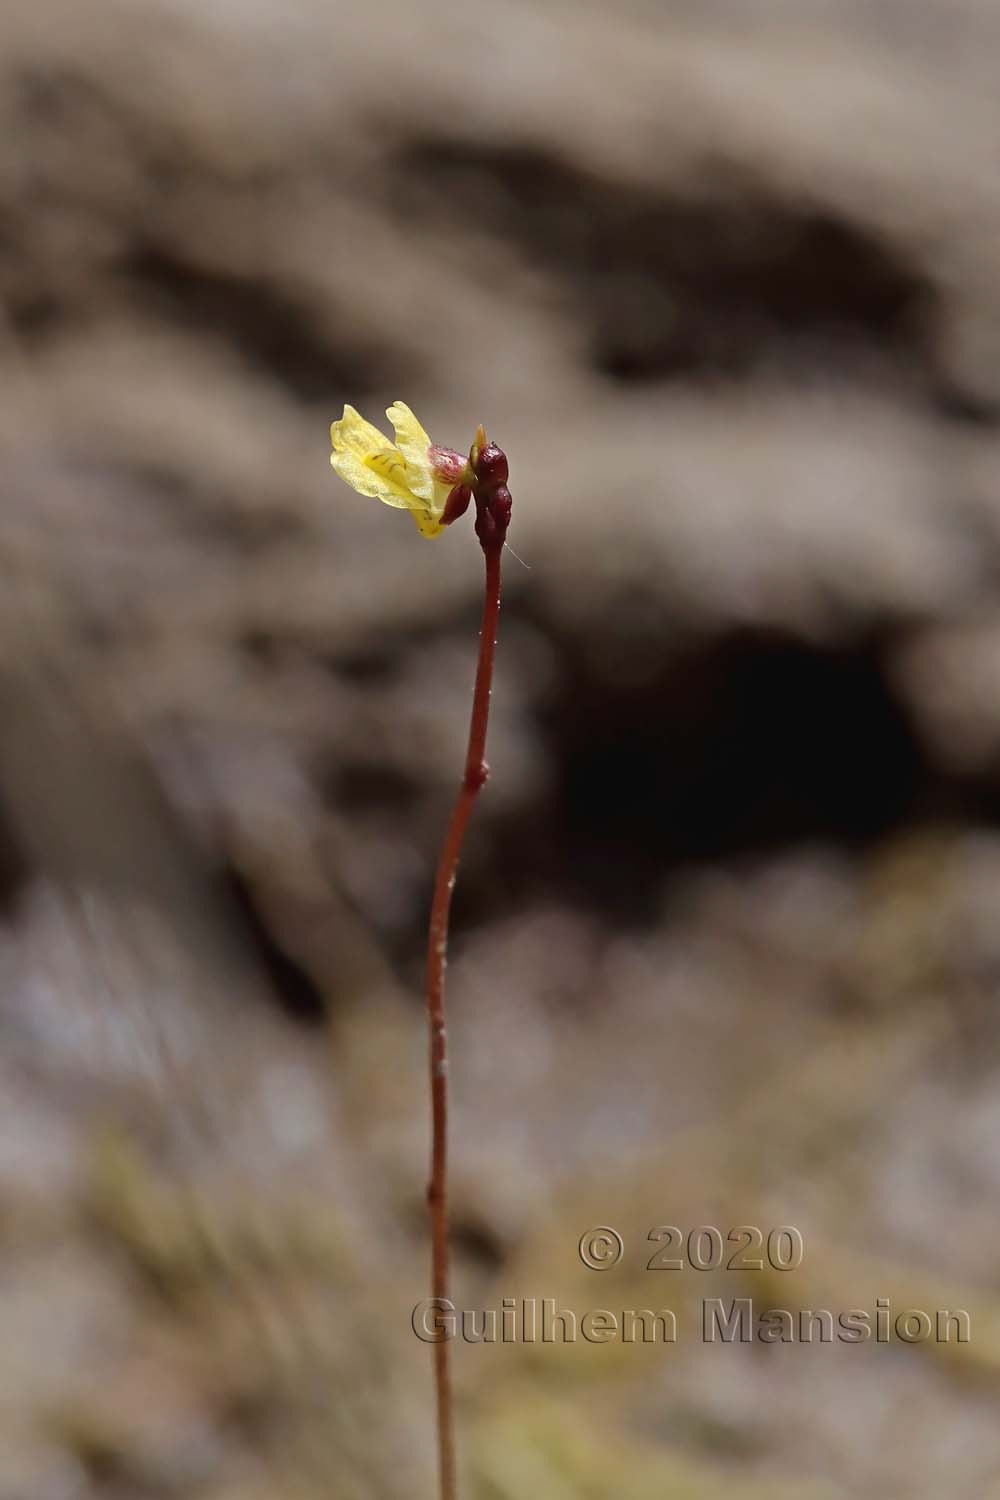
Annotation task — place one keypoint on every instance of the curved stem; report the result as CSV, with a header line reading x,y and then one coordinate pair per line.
x,y
437,956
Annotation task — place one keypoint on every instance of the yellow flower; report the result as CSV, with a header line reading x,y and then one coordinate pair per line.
x,y
411,473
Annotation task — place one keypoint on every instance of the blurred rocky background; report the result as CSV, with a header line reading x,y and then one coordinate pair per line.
x,y
724,280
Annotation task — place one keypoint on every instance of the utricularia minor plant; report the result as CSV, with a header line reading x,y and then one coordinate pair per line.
x,y
436,485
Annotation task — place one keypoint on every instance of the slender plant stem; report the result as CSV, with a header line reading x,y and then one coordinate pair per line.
x,y
437,957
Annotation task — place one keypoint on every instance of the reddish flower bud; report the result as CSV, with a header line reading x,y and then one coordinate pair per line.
x,y
493,515
456,504
446,464
491,467
488,463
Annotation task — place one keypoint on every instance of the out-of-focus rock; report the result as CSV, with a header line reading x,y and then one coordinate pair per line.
x,y
723,281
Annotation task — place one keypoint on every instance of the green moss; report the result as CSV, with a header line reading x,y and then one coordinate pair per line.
x,y
551,1453
181,1241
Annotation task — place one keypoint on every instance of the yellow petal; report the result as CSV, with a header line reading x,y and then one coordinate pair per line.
x,y
366,460
398,475
426,524
361,476
411,439
415,446
352,434
395,474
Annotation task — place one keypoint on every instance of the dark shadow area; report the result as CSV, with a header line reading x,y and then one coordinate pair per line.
x,y
297,993
737,746
381,790
255,318
669,284
15,869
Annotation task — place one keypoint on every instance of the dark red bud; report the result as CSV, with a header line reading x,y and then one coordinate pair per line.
x,y
491,467
493,502
456,504
493,515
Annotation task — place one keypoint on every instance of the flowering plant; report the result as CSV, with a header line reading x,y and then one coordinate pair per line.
x,y
436,486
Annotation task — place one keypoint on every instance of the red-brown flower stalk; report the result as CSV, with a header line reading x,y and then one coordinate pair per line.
x,y
488,466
